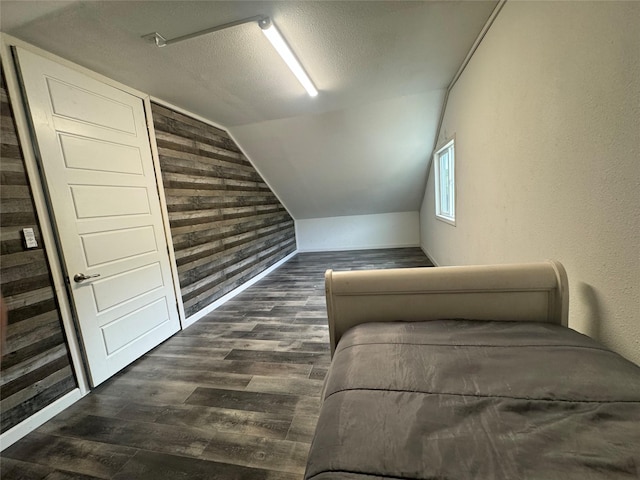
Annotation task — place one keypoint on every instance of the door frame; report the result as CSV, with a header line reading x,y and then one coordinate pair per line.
x,y
36,183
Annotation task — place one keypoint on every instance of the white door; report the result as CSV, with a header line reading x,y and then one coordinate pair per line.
x,y
94,149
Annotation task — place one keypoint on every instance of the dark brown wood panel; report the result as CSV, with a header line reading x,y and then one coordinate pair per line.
x,y
36,368
227,225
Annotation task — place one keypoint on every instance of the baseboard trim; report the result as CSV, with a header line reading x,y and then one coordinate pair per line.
x,y
430,257
225,298
350,249
27,426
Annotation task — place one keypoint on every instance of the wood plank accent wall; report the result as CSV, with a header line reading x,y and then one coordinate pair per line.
x,y
36,369
227,225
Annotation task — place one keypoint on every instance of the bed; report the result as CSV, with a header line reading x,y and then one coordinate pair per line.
x,y
469,372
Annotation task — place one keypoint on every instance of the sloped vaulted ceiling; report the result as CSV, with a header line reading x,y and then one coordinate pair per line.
x,y
360,147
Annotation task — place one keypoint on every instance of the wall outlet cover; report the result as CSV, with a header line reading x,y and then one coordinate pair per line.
x,y
29,238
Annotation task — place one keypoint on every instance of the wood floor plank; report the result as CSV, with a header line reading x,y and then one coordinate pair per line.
x,y
202,378
179,351
258,316
154,466
211,419
314,336
258,452
291,386
144,435
291,345
302,329
227,343
212,331
63,475
308,406
303,358
93,404
318,372
234,396
311,320
11,469
252,401
302,428
226,366
72,455
157,391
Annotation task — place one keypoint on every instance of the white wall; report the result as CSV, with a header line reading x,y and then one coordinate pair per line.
x,y
357,232
360,160
547,124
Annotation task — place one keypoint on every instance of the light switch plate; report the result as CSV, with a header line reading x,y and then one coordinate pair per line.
x,y
29,238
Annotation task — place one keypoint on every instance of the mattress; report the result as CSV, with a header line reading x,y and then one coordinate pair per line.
x,y
457,399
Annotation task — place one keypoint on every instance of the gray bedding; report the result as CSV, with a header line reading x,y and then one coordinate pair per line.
x,y
456,399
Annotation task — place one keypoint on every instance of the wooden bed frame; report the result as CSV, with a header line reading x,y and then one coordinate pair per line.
x,y
534,292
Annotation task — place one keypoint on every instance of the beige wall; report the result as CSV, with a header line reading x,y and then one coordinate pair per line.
x,y
547,124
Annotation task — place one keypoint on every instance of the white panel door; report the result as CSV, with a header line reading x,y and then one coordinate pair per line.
x,y
94,150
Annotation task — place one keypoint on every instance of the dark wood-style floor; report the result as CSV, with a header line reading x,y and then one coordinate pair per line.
x,y
234,396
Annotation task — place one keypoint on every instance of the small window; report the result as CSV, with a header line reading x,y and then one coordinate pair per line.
x,y
446,183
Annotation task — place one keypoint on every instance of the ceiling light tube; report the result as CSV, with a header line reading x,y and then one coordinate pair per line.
x,y
272,33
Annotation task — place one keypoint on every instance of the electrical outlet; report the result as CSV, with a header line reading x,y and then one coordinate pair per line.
x,y
29,238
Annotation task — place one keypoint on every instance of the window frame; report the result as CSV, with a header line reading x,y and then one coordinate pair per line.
x,y
449,146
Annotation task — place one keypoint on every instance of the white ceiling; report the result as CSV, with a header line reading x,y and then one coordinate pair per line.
x,y
382,67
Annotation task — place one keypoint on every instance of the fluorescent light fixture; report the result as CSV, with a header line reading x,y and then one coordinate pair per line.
x,y
269,30
272,33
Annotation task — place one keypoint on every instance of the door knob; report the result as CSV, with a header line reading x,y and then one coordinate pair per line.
x,y
81,277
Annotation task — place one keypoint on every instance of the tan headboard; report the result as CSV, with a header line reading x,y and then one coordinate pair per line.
x,y
535,292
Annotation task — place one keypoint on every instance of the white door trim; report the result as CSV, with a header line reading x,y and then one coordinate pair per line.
x,y
93,149
165,212
41,205
39,200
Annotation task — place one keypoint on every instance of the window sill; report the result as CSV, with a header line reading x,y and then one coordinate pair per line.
x,y
448,220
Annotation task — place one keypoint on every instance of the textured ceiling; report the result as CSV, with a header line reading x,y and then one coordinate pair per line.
x,y
360,147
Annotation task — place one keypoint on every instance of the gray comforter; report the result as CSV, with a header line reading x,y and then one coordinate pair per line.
x,y
456,399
